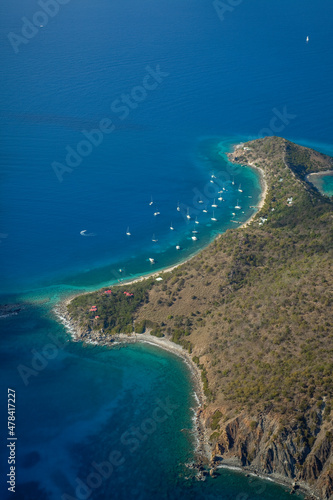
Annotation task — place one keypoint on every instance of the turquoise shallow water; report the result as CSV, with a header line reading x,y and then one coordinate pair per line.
x,y
89,405
228,79
223,79
324,183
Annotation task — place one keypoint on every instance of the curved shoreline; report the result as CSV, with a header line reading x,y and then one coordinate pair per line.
x,y
203,449
317,176
60,311
261,202
264,190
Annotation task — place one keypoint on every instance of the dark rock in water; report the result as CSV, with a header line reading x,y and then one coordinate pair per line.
x,y
7,310
212,473
201,476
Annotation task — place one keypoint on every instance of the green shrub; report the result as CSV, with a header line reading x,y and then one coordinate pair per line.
x,y
215,420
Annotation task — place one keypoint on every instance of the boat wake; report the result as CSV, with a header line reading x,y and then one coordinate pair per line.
x,y
84,233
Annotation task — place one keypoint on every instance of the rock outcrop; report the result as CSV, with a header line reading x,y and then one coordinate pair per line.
x,y
281,452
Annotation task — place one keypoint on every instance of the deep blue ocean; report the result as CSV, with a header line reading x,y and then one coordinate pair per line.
x,y
105,107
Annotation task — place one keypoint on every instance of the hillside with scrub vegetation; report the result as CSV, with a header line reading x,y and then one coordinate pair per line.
x,y
254,310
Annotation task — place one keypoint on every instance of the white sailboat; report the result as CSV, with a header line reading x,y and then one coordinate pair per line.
x,y
240,188
213,218
157,213
128,232
307,39
151,201
200,201
188,214
171,227
194,238
155,240
196,221
151,260
238,206
205,210
220,198
178,207
233,181
177,247
214,204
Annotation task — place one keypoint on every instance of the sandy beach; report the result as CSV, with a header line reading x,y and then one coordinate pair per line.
x,y
203,448
316,176
264,189
319,174
263,195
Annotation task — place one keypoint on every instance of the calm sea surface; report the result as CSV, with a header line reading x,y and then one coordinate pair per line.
x,y
177,83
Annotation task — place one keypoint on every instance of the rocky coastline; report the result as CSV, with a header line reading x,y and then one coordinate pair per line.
x,y
208,458
203,451
296,452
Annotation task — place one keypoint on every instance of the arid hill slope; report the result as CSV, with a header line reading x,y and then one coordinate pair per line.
x,y
254,309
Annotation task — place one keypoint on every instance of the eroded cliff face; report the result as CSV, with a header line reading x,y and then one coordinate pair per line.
x,y
285,452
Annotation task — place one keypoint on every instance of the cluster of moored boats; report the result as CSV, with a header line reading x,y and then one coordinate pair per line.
x,y
214,206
